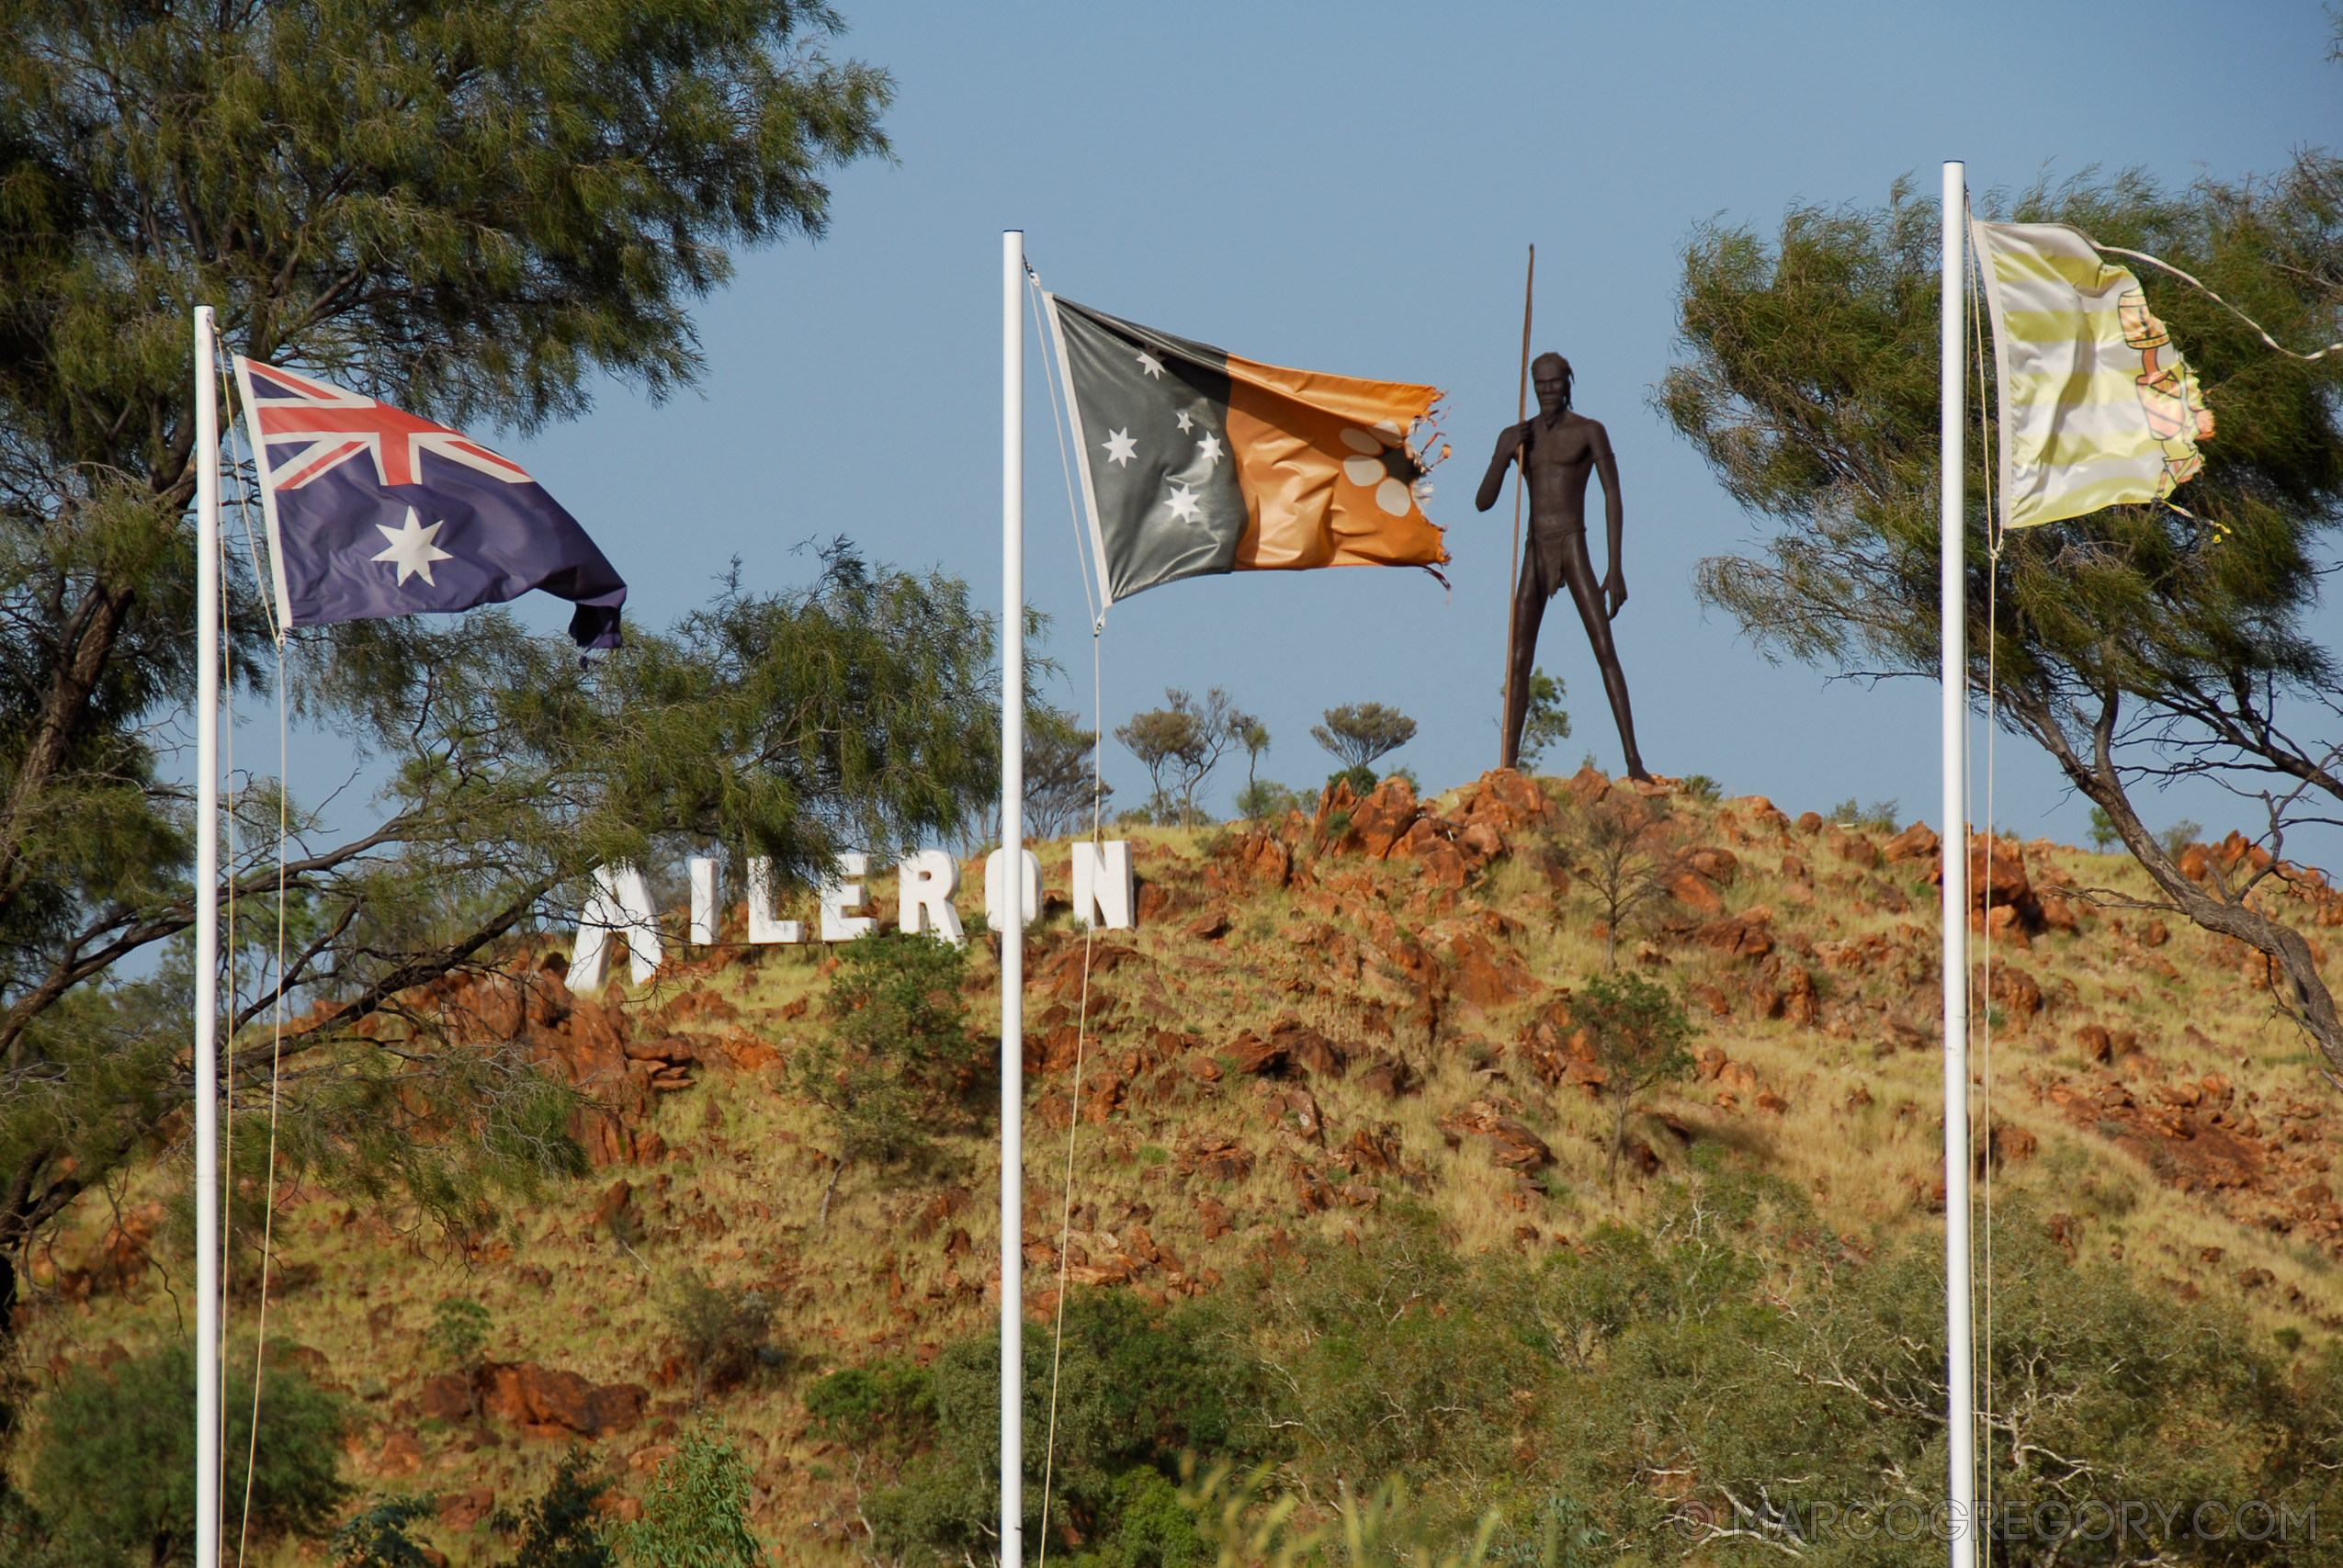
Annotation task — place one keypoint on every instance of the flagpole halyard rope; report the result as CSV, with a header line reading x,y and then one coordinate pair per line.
x,y
1014,862
1995,541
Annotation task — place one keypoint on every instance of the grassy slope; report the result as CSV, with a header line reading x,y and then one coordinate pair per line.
x,y
737,1193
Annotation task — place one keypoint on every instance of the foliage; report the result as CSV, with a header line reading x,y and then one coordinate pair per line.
x,y
1244,1524
1833,1394
1359,733
721,1333
1179,744
458,1329
695,1512
1638,1030
561,1528
1624,855
1399,1357
2177,837
1266,800
2134,645
1700,787
898,1058
1879,817
1545,720
1063,791
557,1528
1253,736
115,1472
377,1536
1133,1392
885,1403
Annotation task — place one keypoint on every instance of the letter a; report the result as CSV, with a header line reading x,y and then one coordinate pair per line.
x,y
619,903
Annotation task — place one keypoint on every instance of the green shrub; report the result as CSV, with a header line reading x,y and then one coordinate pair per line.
x,y
722,1333
898,1060
115,1472
887,1404
695,1514
1134,1392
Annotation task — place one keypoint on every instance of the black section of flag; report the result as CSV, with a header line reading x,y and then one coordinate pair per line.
x,y
1150,412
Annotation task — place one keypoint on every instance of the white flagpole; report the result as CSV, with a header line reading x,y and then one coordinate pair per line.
x,y
1953,613
1012,933
207,952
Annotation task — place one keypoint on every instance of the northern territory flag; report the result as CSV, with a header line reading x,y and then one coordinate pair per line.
x,y
1197,461
375,513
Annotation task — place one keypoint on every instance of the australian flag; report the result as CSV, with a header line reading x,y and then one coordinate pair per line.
x,y
374,513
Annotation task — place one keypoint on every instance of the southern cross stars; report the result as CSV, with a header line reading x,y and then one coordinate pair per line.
x,y
1184,508
1210,450
1149,365
410,548
1187,424
1120,448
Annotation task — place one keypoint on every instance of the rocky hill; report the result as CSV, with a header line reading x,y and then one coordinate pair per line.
x,y
1311,1022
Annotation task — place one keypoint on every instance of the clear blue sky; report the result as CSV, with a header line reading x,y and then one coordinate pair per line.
x,y
1352,188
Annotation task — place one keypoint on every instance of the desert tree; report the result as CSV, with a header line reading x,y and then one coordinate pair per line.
x,y
1063,789
1179,744
1545,720
1638,1030
897,1058
2136,645
477,210
1623,854
1360,733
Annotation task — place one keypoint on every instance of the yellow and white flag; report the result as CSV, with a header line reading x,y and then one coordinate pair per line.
x,y
2097,408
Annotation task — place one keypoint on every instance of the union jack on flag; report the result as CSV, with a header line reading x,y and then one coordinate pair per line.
x,y
374,511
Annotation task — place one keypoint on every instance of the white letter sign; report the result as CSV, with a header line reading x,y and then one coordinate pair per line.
x,y
1103,885
619,903
839,896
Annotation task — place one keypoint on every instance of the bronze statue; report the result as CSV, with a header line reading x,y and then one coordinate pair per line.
x,y
1558,449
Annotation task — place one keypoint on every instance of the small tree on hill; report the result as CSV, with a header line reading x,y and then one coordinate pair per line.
x,y
696,1513
1545,720
896,1055
1638,1030
1179,745
1359,733
459,1332
721,1333
1062,785
1626,866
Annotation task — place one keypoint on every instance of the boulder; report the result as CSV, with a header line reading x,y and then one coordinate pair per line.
x,y
1915,842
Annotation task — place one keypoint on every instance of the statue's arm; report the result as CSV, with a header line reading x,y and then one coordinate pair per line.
x,y
1492,483
1606,468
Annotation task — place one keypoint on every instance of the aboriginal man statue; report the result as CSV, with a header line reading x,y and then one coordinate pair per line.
x,y
1558,449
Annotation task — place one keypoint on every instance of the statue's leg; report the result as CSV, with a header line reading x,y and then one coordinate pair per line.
x,y
1529,610
1579,570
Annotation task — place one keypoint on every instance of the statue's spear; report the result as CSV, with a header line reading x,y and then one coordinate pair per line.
x,y
1513,562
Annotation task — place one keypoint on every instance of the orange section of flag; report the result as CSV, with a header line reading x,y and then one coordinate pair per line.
x,y
1327,469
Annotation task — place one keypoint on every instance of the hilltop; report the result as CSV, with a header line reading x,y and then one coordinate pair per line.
x,y
1315,1023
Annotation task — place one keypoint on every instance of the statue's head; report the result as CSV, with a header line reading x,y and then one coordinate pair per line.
x,y
1550,374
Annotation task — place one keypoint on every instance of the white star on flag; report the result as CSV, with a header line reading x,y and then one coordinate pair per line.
x,y
1149,365
410,548
1183,504
1185,422
1120,448
1210,450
